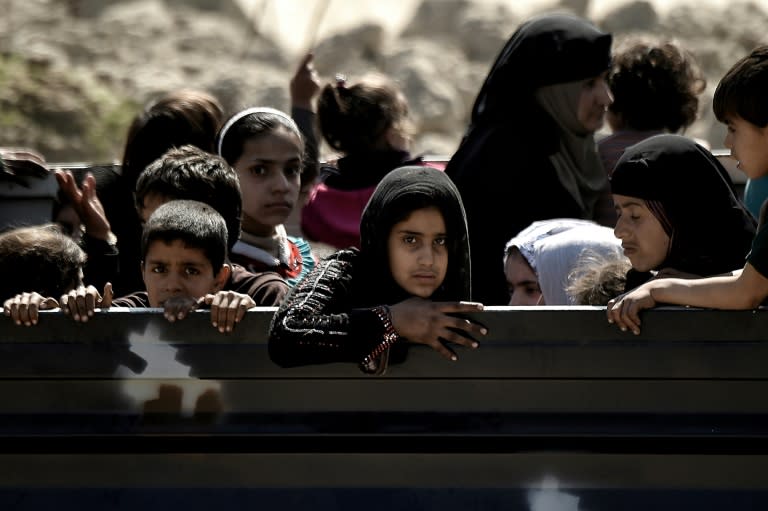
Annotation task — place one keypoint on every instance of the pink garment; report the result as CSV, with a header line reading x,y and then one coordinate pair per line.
x,y
333,216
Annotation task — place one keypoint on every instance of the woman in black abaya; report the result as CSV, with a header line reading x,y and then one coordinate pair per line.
x,y
529,153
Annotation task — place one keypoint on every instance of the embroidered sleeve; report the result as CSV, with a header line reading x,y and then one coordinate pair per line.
x,y
317,324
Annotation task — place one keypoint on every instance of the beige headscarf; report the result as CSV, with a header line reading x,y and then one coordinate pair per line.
x,y
577,163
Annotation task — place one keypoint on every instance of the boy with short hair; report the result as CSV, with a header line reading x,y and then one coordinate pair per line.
x,y
183,247
741,103
189,173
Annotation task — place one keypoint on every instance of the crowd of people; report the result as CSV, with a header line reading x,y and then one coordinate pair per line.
x,y
391,249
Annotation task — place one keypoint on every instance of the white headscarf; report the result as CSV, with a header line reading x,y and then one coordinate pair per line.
x,y
553,248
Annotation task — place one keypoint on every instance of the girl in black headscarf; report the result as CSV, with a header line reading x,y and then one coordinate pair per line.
x,y
529,153
411,271
678,211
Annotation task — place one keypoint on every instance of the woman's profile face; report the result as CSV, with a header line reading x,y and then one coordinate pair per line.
x,y
643,239
418,252
594,100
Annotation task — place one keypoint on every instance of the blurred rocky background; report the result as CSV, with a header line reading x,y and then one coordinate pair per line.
x,y
74,72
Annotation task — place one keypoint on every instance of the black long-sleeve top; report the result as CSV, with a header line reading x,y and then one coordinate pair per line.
x,y
318,322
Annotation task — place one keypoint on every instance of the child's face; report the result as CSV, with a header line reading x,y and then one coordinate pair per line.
x,y
593,102
173,269
522,280
269,171
643,239
749,146
418,252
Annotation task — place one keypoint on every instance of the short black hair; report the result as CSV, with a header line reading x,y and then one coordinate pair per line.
x,y
742,91
196,224
189,173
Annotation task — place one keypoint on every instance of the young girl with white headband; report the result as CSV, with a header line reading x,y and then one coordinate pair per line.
x,y
266,149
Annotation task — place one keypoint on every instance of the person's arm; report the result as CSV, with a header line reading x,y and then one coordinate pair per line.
x,y
268,288
98,242
304,86
741,290
317,324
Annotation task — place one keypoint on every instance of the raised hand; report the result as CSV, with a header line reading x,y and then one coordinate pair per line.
x,y
86,203
305,84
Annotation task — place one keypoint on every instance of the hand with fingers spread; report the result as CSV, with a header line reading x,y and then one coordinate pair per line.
x,y
80,303
86,203
23,308
624,310
228,308
305,83
422,321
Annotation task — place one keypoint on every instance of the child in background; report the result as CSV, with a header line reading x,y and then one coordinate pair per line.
x,y
410,273
266,149
656,86
539,260
741,103
180,117
189,173
368,123
183,247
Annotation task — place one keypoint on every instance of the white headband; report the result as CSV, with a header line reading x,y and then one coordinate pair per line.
x,y
254,110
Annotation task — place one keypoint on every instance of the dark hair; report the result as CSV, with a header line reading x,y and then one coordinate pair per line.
x,y
39,258
401,192
355,118
175,119
742,91
655,85
252,123
196,224
189,173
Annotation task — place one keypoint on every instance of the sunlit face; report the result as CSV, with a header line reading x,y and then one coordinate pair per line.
x,y
269,170
174,269
749,146
418,252
593,102
643,239
522,281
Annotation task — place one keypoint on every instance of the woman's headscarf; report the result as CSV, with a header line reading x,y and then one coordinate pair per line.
x,y
401,192
553,249
545,50
694,199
